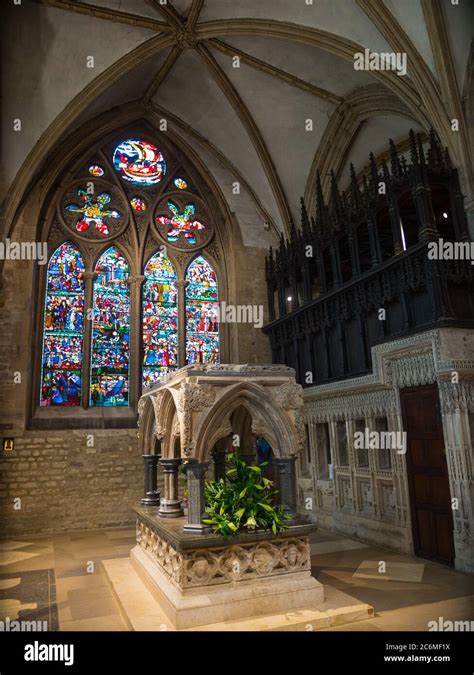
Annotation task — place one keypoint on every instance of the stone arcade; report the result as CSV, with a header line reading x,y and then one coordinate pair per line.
x,y
199,579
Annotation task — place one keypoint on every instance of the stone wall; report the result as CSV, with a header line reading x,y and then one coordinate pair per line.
x,y
54,482
369,500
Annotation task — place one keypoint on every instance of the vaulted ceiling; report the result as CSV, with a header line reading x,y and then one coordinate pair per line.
x,y
265,91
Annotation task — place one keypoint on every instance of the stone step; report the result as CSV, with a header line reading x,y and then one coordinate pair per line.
x,y
142,612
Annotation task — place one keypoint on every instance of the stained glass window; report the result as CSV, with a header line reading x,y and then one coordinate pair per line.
x,y
139,162
96,170
160,319
180,183
92,211
202,325
63,329
181,223
110,331
138,204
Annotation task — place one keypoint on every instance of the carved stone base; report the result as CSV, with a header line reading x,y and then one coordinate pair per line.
x,y
198,528
204,578
170,508
211,604
152,499
142,611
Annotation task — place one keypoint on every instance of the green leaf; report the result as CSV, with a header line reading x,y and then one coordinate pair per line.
x,y
241,500
266,507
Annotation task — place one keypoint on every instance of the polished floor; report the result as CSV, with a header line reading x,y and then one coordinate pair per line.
x,y
60,579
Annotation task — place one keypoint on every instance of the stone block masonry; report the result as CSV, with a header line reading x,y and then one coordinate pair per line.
x,y
65,485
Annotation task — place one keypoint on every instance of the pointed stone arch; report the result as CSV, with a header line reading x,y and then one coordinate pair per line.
x,y
146,425
273,422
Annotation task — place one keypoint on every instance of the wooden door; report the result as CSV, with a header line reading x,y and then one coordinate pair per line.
x,y
430,498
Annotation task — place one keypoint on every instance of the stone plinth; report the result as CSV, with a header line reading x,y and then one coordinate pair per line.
x,y
204,578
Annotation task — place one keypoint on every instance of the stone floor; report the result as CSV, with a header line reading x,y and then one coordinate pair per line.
x,y
60,579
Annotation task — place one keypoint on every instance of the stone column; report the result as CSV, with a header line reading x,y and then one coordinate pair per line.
x,y
195,472
181,322
87,338
135,348
152,496
286,483
170,505
248,457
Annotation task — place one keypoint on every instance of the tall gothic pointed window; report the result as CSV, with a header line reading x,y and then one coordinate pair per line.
x,y
202,318
111,331
130,295
160,319
61,376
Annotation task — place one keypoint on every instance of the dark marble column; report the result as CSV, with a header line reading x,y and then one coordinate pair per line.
x,y
286,483
170,505
195,472
152,496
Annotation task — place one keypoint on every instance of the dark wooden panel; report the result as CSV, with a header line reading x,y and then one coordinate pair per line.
x,y
430,498
426,535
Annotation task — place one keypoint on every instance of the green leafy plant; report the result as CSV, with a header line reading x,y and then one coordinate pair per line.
x,y
242,501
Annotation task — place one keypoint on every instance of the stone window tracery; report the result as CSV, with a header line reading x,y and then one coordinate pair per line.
x,y
131,289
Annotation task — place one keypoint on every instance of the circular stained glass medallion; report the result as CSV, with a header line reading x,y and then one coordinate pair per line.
x,y
96,170
139,162
138,204
180,183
